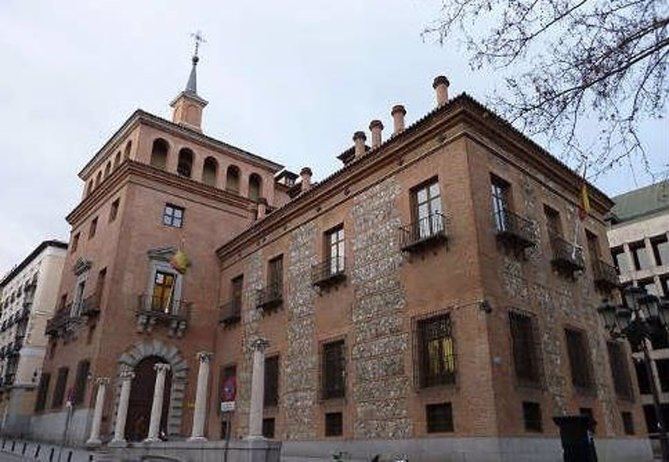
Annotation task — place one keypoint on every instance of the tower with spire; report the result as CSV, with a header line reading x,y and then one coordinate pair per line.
x,y
188,105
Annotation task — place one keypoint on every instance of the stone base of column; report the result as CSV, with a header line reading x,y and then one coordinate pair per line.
x,y
152,440
255,438
118,443
197,439
92,443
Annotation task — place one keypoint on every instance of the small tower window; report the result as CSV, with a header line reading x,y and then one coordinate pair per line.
x,y
210,171
158,153
185,165
232,179
128,147
255,187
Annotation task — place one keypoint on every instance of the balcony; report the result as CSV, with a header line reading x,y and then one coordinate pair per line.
x,y
328,273
270,298
231,312
514,230
59,322
153,310
605,276
567,257
424,233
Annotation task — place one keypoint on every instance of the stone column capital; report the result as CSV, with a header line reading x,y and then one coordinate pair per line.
x,y
204,356
161,368
259,344
102,380
126,373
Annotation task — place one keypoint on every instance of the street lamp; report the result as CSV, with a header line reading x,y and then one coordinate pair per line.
x,y
640,319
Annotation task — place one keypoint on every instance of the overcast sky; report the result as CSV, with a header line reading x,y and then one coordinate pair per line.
x,y
288,80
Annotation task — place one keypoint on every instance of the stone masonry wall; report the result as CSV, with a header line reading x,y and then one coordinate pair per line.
x,y
300,379
380,342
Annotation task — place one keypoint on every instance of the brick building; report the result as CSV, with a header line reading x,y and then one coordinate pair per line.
x,y
426,298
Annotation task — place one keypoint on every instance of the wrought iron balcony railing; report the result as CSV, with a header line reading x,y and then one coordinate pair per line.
x,y
162,307
59,321
426,232
513,229
605,275
566,256
270,297
329,272
231,312
90,306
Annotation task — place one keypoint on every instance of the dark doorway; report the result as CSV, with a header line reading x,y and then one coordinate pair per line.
x,y
141,399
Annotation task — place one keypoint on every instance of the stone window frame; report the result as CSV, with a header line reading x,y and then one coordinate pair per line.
x,y
159,261
81,270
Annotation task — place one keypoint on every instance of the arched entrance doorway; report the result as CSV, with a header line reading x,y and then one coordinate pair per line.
x,y
141,399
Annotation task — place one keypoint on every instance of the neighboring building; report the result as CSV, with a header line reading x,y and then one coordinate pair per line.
x,y
29,295
427,298
639,240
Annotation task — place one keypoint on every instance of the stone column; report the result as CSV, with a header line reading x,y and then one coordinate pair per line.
x,y
257,388
94,439
157,405
126,377
200,411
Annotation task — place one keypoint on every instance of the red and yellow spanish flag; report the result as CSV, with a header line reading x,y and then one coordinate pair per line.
x,y
584,207
180,261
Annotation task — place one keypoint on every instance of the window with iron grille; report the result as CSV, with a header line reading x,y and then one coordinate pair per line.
x,y
173,216
80,383
579,359
275,272
271,381
236,289
622,381
436,352
59,390
42,391
268,427
439,417
525,347
334,424
427,215
628,422
334,370
532,416
335,250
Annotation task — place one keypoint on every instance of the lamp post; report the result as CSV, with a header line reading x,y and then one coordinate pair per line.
x,y
639,319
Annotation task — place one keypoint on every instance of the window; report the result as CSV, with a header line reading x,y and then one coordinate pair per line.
x,y
210,171
334,424
271,381
660,246
426,200
232,179
268,427
439,417
237,289
593,247
100,287
553,222
78,297
185,165
587,411
579,358
255,187
80,384
620,260
334,370
59,390
107,169
163,291
628,422
173,216
75,243
501,195
42,391
525,348
640,256
113,211
93,228
642,377
436,351
664,283
532,417
334,241
158,153
649,286
622,382
275,273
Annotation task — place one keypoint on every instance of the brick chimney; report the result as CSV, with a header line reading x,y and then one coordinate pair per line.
x,y
440,86
398,114
359,139
375,126
305,174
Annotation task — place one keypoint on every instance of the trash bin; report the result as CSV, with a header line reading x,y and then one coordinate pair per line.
x,y
576,433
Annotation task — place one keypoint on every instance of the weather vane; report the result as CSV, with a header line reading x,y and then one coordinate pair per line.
x,y
198,38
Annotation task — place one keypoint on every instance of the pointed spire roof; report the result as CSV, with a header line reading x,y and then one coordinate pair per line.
x,y
191,86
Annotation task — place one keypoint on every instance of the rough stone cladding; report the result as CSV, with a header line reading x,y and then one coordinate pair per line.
x,y
381,382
